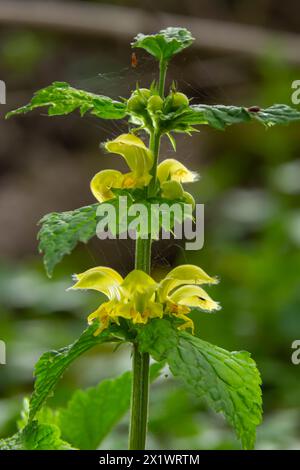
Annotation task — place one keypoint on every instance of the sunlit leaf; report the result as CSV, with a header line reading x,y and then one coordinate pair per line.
x,y
60,98
228,381
166,43
51,366
220,116
36,437
168,212
61,231
91,414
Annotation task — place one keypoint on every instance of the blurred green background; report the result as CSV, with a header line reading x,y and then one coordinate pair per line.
x,y
250,185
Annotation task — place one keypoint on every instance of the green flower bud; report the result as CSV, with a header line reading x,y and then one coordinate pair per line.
x,y
180,99
143,93
137,103
155,103
176,100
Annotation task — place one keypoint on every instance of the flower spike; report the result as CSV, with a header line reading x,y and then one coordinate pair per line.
x,y
138,298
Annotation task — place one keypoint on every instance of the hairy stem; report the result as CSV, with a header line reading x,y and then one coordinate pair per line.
x,y
139,399
140,361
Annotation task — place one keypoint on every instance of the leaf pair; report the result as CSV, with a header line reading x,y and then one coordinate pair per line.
x,y
228,381
60,98
61,231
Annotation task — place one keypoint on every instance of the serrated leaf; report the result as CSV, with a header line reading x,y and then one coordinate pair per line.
x,y
228,381
61,231
91,414
277,114
165,44
11,443
51,366
220,116
36,437
60,98
147,224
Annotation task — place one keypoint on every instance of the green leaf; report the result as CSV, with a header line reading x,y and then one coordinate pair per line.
x,y
228,381
45,415
220,116
51,366
61,98
36,437
91,414
277,114
60,233
165,44
160,206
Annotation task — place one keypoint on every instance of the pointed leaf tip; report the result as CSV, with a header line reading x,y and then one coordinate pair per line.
x,y
165,44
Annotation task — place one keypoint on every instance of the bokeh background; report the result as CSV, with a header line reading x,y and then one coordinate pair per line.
x,y
250,184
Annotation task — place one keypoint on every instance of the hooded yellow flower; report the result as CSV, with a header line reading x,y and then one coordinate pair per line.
x,y
171,173
103,183
139,159
139,298
173,170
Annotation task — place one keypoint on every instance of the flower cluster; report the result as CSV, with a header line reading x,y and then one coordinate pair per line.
x,y
139,298
170,173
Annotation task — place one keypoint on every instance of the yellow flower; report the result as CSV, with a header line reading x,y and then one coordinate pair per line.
x,y
171,173
103,182
139,159
173,170
139,298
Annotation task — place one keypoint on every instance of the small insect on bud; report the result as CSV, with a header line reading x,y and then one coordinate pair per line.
x,y
254,109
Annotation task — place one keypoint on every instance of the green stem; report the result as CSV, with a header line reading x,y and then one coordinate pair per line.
x,y
139,399
154,147
163,65
143,254
140,361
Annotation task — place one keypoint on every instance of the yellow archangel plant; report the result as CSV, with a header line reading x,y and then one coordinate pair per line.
x,y
154,316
